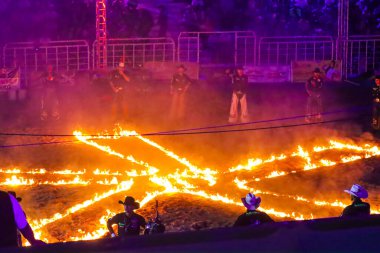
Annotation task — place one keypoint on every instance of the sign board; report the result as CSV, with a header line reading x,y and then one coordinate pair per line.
x,y
165,70
267,74
9,79
302,70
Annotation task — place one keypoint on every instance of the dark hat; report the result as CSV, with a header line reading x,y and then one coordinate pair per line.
x,y
377,77
181,67
130,201
239,67
14,195
317,70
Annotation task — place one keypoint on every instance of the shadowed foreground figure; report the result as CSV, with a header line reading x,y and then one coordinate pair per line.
x,y
358,208
129,222
252,216
12,220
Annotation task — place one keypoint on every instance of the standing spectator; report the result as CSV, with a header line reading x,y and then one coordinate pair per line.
x,y
162,21
252,216
239,96
131,19
116,18
12,218
198,7
118,82
178,89
128,222
358,208
314,102
145,24
190,20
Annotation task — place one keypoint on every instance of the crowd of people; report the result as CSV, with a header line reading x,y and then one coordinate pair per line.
x,y
75,19
285,17
129,223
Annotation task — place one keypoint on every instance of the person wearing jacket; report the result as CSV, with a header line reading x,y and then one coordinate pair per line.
x,y
12,220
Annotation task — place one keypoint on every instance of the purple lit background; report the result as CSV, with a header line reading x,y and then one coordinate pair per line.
x,y
26,20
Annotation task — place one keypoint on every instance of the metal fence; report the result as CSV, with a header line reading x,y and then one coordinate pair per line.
x,y
205,48
284,50
217,48
63,55
363,55
138,51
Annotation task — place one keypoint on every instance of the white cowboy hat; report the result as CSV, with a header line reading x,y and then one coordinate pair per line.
x,y
358,191
251,202
121,64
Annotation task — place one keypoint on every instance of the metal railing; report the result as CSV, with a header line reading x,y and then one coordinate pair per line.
x,y
63,55
363,55
205,48
284,50
138,51
217,48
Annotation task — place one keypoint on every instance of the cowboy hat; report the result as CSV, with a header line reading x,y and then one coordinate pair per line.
x,y
130,201
251,202
14,195
181,67
358,191
317,70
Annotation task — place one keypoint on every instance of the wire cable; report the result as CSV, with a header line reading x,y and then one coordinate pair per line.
x,y
253,129
37,144
352,109
195,133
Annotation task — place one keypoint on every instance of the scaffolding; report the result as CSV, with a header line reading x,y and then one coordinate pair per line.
x,y
343,34
101,34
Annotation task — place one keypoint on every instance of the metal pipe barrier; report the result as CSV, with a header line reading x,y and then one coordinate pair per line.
x,y
63,55
284,50
137,51
363,55
204,48
217,48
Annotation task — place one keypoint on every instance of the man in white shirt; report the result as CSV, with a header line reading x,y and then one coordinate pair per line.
x,y
12,218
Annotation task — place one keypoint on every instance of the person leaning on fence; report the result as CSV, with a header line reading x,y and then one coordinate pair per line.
x,y
314,102
12,220
331,72
358,208
239,96
128,223
252,216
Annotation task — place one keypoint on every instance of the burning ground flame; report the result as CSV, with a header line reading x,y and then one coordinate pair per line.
x,y
178,182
